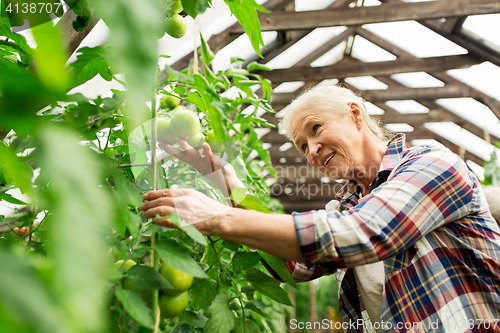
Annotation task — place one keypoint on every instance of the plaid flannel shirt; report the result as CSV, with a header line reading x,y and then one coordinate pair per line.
x,y
427,219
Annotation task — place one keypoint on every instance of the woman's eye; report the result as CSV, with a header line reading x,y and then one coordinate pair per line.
x,y
304,147
315,128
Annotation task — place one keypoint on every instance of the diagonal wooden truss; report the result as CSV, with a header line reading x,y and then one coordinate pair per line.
x,y
444,17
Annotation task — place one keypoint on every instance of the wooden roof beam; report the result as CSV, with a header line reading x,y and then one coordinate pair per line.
x,y
390,12
344,70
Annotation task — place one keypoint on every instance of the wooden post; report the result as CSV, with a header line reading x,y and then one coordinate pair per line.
x,y
313,318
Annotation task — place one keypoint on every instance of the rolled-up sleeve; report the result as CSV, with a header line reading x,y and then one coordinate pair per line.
x,y
426,190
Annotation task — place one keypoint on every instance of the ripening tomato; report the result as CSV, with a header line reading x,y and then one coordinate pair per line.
x,y
171,306
180,281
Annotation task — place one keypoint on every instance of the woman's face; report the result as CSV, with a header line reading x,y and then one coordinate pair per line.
x,y
331,142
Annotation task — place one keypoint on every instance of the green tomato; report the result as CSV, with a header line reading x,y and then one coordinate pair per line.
x,y
169,102
214,145
111,152
122,267
196,141
171,306
163,131
174,7
180,281
185,124
175,26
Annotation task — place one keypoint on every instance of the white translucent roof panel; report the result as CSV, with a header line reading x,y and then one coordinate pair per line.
x,y
401,127
372,109
370,3
430,142
304,47
417,80
485,26
366,51
241,48
473,111
477,169
366,83
331,57
415,39
462,138
288,87
328,82
407,106
484,77
304,5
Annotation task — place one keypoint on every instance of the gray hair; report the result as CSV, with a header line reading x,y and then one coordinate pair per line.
x,y
335,99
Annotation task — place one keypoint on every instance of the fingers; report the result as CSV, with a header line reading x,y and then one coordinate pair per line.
x,y
193,153
162,211
169,149
163,201
156,194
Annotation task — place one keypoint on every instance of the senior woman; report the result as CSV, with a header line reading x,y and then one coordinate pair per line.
x,y
410,236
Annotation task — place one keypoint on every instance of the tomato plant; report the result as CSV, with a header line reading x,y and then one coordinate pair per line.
x,y
85,162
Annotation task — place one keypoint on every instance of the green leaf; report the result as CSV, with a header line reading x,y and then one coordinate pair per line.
x,y
202,293
89,63
249,327
195,7
128,191
50,57
178,76
9,198
135,306
249,201
179,258
244,260
146,277
183,328
194,319
254,65
21,45
14,171
221,319
231,245
195,235
78,225
246,13
23,294
206,54
267,286
133,27
252,306
195,99
279,266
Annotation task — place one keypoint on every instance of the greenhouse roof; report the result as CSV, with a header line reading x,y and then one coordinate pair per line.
x,y
429,69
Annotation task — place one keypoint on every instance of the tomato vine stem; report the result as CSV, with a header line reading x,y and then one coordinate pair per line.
x,y
238,293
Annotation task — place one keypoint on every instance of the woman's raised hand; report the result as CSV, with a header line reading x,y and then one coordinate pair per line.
x,y
216,169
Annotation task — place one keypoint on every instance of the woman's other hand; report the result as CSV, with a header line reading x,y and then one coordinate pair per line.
x,y
195,207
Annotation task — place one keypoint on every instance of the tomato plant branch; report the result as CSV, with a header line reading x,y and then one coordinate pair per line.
x,y
154,259
238,293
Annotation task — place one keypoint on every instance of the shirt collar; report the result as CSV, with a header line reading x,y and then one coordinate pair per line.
x,y
350,193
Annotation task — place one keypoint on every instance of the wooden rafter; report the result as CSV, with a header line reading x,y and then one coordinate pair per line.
x,y
344,70
390,12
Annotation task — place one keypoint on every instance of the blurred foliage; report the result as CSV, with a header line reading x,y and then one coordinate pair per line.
x,y
492,169
83,165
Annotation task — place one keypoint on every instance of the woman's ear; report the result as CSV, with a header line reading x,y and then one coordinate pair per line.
x,y
356,115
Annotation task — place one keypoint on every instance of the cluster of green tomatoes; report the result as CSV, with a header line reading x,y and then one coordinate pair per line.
x,y
183,124
175,24
172,301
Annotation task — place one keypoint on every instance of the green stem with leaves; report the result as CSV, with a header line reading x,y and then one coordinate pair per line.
x,y
238,293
